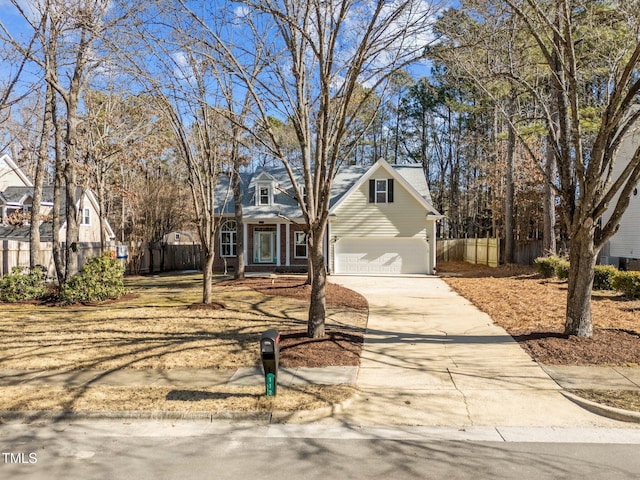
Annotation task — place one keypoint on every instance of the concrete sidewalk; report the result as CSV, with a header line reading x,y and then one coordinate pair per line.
x,y
178,377
432,358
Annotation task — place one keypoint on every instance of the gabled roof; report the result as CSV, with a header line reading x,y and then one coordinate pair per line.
x,y
410,176
348,179
11,164
17,195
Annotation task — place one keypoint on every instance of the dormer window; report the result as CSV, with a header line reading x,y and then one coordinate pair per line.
x,y
303,191
264,195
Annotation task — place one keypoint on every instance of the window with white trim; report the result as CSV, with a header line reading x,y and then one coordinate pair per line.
x,y
228,239
300,245
381,191
303,191
86,217
264,195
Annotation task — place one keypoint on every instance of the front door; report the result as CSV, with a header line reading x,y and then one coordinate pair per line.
x,y
263,246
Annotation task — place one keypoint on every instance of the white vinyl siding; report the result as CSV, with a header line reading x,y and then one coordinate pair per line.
x,y
626,242
356,217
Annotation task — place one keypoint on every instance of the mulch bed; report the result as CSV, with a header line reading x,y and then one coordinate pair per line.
x,y
605,347
532,310
336,348
339,347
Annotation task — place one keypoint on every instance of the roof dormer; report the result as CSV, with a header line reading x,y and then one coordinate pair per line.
x,y
264,185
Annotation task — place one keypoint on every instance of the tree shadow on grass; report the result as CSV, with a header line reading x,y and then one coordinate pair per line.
x,y
198,395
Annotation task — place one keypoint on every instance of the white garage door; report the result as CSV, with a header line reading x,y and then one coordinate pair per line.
x,y
381,255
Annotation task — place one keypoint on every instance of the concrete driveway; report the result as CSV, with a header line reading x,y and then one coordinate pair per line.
x,y
432,358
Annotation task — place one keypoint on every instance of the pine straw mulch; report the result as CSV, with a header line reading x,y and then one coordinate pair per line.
x,y
341,346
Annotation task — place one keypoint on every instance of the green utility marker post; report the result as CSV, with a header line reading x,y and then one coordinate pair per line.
x,y
270,383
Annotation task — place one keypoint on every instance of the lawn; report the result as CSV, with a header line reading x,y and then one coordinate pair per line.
x,y
154,327
159,325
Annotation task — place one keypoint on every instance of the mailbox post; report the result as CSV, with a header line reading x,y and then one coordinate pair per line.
x,y
270,355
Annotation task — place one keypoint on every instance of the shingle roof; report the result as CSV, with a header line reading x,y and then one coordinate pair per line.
x,y
284,202
22,232
16,194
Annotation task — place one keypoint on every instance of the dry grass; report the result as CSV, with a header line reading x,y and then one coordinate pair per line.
x,y
154,327
141,398
624,399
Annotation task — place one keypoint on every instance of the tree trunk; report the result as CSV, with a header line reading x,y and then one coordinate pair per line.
x,y
239,214
318,303
582,257
508,210
71,183
34,229
549,205
207,278
57,197
101,215
73,227
151,259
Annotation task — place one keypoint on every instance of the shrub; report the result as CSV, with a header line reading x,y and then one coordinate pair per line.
x,y
552,266
23,284
628,283
562,269
603,278
546,266
102,278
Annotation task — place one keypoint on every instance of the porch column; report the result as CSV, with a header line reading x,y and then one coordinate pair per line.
x,y
431,239
245,245
287,246
277,244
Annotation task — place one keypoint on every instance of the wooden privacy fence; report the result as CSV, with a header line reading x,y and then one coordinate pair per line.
x,y
481,251
450,249
486,251
170,258
14,253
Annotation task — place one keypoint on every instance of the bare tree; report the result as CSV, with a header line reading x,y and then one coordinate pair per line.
x,y
69,37
319,54
574,38
183,80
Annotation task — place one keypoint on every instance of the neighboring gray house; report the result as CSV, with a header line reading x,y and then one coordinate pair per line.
x,y
381,221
